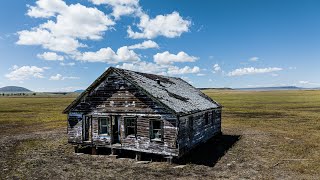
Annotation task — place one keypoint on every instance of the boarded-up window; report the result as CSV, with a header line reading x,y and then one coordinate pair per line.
x,y
104,124
130,124
156,130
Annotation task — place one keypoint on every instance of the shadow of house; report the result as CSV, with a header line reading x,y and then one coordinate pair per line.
x,y
209,153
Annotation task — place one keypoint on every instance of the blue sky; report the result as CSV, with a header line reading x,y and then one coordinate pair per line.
x,y
56,45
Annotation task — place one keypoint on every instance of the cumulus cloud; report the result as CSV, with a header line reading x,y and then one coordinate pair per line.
x,y
58,77
216,68
169,25
168,58
252,70
144,45
69,26
50,56
143,66
121,7
174,70
47,40
149,67
107,55
46,8
25,72
254,59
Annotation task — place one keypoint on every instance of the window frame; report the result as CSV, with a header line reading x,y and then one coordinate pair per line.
x,y
151,130
74,119
126,126
107,125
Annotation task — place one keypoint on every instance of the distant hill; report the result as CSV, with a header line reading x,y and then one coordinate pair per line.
x,y
14,89
271,88
79,91
225,88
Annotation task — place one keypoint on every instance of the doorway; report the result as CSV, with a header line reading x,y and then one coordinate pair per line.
x,y
115,129
86,128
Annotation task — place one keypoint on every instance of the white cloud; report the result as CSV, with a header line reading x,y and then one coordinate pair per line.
x,y
25,72
143,66
144,45
46,8
56,77
252,70
254,59
168,58
121,7
174,70
304,82
216,68
47,40
50,56
309,83
69,26
201,74
169,25
67,64
148,67
60,77
107,55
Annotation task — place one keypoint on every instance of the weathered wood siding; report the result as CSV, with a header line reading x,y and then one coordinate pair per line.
x,y
141,142
190,136
116,96
75,129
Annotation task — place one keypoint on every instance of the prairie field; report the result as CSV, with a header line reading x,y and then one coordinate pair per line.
x,y
266,135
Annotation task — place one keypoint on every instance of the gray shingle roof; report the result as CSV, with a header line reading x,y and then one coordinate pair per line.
x,y
174,93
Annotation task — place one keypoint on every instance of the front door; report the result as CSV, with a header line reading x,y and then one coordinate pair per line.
x,y
115,129
86,128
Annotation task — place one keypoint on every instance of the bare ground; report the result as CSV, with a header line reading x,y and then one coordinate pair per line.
x,y
239,154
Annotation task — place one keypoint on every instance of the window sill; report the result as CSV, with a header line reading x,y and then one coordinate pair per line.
x,y
156,140
131,136
104,135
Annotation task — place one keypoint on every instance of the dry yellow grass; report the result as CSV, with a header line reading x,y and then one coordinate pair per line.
x,y
280,139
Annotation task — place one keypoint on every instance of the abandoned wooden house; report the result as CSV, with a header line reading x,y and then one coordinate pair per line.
x,y
144,113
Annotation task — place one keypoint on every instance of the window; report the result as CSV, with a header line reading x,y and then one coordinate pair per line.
x,y
104,124
206,118
156,130
73,120
130,124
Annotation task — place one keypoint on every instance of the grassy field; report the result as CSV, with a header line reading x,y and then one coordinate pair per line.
x,y
279,139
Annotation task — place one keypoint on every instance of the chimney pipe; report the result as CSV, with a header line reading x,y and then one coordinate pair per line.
x,y
158,81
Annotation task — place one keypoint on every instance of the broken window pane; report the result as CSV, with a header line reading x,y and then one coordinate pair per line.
x,y
156,130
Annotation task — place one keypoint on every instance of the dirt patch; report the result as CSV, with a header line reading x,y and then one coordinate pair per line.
x,y
42,155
